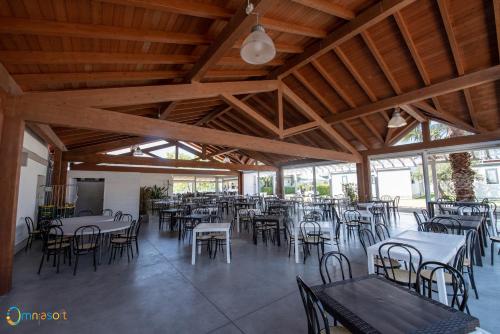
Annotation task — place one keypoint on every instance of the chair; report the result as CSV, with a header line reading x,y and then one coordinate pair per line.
x,y
327,271
435,227
425,214
164,218
382,232
107,212
86,240
117,216
311,236
54,244
135,233
420,223
289,226
452,225
471,238
400,252
121,242
32,232
84,213
352,220
317,321
126,217
453,278
367,239
394,205
221,241
494,240
378,214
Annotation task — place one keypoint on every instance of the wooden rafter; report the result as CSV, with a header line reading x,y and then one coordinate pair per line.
x,y
445,116
329,8
45,132
183,171
167,110
496,10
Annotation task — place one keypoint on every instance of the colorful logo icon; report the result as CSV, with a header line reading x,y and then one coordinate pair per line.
x,y
13,313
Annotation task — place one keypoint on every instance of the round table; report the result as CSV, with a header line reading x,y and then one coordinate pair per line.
x,y
105,223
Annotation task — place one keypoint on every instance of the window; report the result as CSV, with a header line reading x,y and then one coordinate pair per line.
x,y
491,176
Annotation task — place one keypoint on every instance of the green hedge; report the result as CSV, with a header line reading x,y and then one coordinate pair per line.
x,y
289,190
267,190
323,190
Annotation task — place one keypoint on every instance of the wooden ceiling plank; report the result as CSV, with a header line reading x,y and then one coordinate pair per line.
x,y
48,135
368,18
239,24
356,134
496,10
452,85
109,121
112,145
222,152
167,110
296,130
446,116
328,7
245,108
183,171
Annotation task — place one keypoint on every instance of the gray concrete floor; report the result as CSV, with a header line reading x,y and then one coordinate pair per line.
x,y
161,292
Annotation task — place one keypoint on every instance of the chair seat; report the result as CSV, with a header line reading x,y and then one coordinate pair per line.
x,y
86,246
35,232
334,330
467,262
119,240
388,263
352,224
312,239
220,237
426,274
402,276
204,237
56,246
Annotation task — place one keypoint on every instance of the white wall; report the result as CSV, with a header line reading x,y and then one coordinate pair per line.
x,y
249,183
27,199
337,182
395,183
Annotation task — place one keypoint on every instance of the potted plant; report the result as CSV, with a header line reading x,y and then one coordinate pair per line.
x,y
148,194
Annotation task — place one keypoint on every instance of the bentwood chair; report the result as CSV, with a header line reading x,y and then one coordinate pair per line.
x,y
382,232
290,226
419,221
435,227
53,245
85,241
332,262
311,236
396,251
471,239
317,321
121,242
367,239
453,278
32,232
107,212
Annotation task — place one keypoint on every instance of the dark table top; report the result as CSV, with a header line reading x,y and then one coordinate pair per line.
x,y
267,217
468,222
197,216
171,210
372,304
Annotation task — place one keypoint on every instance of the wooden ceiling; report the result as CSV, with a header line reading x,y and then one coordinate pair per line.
x,y
336,60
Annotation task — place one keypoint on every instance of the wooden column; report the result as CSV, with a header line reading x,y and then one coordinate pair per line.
x,y
363,172
11,145
240,183
279,183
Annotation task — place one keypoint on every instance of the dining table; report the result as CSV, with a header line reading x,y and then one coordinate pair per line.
x,y
208,228
325,225
173,213
438,247
276,219
372,304
196,217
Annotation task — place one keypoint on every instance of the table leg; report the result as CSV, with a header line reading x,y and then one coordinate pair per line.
x,y
193,249
441,286
238,220
477,252
228,248
278,232
493,223
180,229
296,244
371,264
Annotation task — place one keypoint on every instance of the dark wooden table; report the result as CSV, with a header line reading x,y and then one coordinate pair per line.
x,y
266,219
173,212
470,223
372,304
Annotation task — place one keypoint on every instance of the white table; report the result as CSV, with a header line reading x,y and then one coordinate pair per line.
x,y
211,227
87,220
433,247
326,226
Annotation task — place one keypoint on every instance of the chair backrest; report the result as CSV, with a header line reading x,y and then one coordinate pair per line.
x,y
366,238
330,262
396,251
117,216
417,218
86,237
351,215
127,217
454,226
311,231
133,230
471,237
313,215
386,198
435,227
425,214
315,312
382,232
107,212
29,224
84,213
459,288
54,235
215,219
396,201
56,222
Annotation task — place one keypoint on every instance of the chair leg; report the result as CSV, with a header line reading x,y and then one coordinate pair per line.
x,y
470,271
492,252
76,263
136,246
95,264
27,244
111,255
41,263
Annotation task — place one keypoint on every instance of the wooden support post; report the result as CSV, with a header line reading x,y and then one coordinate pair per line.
x,y
240,183
279,183
363,172
10,166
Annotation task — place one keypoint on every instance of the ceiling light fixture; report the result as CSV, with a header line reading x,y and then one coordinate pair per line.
x,y
226,160
136,151
396,120
257,48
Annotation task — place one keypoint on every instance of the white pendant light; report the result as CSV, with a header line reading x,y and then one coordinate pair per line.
x,y
258,48
137,152
396,120
226,160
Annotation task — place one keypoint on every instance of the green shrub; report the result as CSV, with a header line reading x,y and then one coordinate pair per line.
x,y
323,189
289,190
267,190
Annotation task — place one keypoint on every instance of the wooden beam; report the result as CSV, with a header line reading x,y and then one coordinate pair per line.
x,y
328,7
447,117
167,110
145,161
496,10
300,129
45,132
104,168
441,143
239,24
441,88
11,145
110,121
325,127
113,145
368,18
113,97
243,107
7,83
403,132
222,152
414,112
279,107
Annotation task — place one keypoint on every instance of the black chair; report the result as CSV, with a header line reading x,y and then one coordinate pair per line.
x,y
311,236
221,241
85,241
378,214
435,227
382,232
127,217
117,216
352,220
164,219
454,279
135,233
332,260
53,245
317,321
494,240
84,213
453,226
289,227
420,223
394,205
407,254
122,242
367,239
32,232
471,239
425,214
